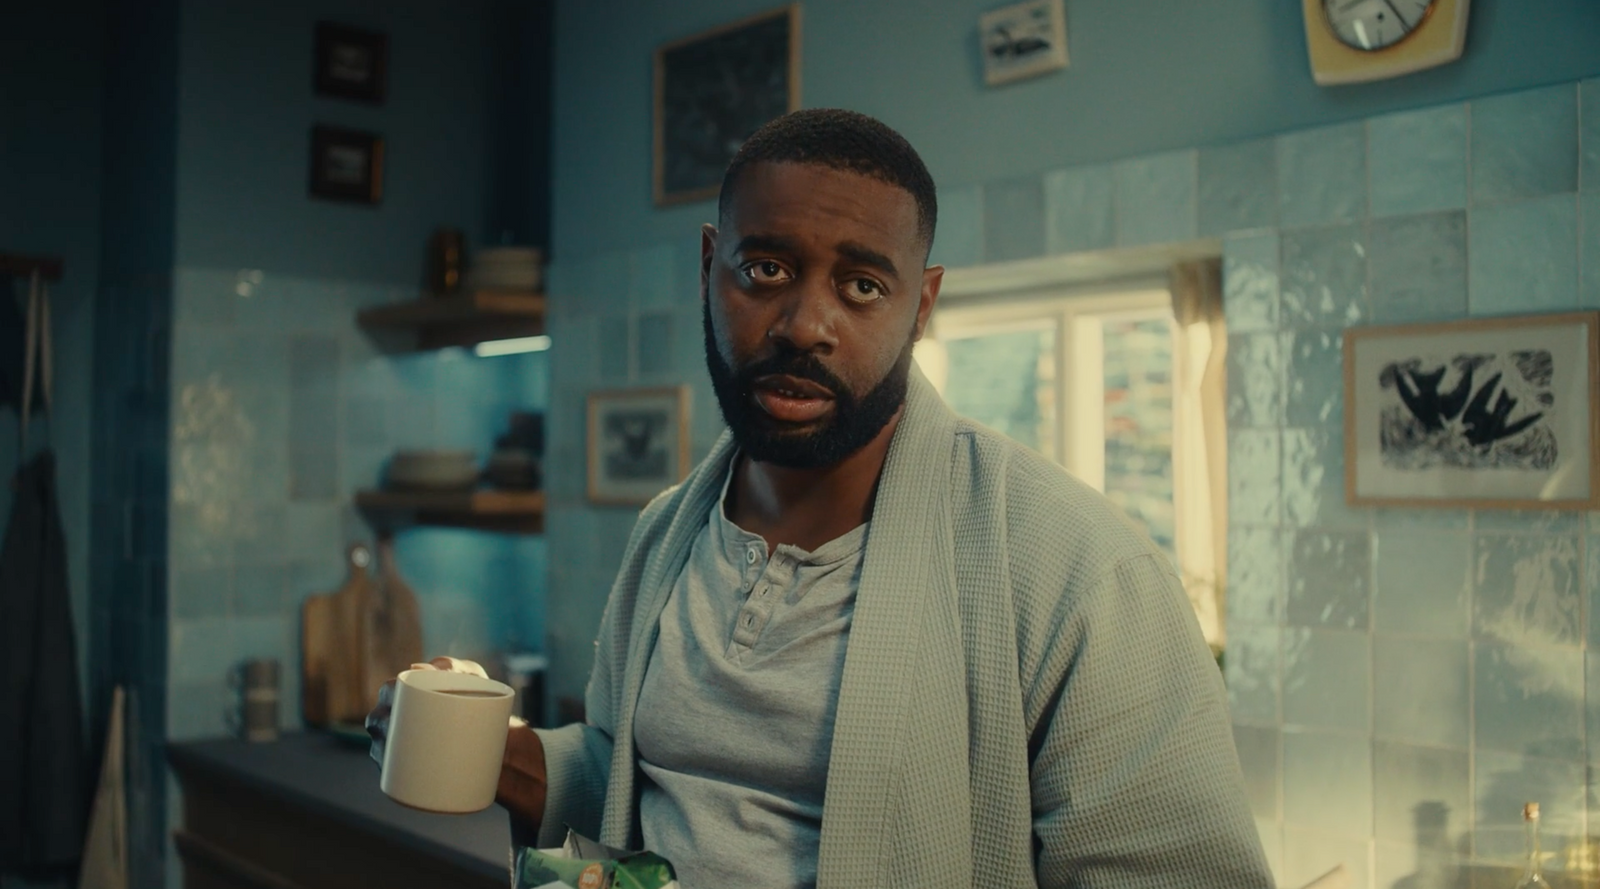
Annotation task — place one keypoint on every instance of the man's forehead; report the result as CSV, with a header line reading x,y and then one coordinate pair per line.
x,y
775,193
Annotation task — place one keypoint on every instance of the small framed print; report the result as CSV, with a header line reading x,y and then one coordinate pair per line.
x,y
346,165
638,443
351,63
1023,40
1494,413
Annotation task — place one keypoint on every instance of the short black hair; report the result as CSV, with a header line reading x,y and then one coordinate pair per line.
x,y
840,140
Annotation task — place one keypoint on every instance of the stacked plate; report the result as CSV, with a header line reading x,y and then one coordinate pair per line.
x,y
433,470
506,268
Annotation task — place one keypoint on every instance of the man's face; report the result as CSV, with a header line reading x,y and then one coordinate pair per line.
x,y
814,293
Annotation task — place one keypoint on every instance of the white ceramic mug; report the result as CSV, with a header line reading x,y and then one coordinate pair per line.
x,y
446,741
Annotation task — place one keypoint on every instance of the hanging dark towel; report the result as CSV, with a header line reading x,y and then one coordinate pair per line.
x,y
42,765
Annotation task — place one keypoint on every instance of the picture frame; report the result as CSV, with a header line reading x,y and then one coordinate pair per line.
x,y
346,165
637,443
1023,40
711,91
1489,413
350,63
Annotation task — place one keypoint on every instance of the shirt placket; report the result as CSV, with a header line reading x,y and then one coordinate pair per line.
x,y
762,592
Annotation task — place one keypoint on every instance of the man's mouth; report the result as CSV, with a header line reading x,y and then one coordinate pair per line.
x,y
792,399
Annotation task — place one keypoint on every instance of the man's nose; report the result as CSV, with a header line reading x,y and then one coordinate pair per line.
x,y
807,317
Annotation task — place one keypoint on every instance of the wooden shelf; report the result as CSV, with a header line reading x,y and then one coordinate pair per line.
x,y
462,320
520,512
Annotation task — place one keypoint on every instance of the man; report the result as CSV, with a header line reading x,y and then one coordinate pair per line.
x,y
868,642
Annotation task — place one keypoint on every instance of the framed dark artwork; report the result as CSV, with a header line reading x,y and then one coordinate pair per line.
x,y
351,63
1493,413
638,443
346,165
714,89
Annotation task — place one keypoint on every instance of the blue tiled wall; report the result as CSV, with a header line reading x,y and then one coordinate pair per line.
x,y
281,410
1377,659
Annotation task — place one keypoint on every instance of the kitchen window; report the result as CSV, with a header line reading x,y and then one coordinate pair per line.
x,y
1105,382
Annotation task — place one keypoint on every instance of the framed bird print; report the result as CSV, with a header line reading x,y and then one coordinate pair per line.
x,y
1491,413
638,443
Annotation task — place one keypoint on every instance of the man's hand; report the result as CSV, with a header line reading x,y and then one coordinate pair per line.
x,y
522,775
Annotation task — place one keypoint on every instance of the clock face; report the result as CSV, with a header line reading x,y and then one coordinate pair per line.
x,y
1371,25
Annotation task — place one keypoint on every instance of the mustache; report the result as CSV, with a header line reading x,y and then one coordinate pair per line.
x,y
801,365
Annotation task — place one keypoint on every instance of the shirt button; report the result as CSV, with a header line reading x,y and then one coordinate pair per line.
x,y
750,556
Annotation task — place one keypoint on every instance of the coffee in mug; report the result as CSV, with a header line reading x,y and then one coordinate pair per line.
x,y
447,738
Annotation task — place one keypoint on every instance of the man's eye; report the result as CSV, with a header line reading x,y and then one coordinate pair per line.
x,y
766,272
864,290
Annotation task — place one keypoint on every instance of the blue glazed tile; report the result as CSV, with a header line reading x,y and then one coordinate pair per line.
x,y
1525,145
1238,187
1079,209
313,533
1419,268
1250,282
1328,584
1258,756
1322,176
1589,260
198,710
366,421
1313,378
653,278
1535,521
1528,699
614,347
1589,137
202,297
1255,381
1313,481
686,266
959,239
202,650
1309,854
1326,677
1253,674
1255,478
1504,782
574,352
1528,590
1013,219
1255,577
1523,257
1324,277
689,346
1398,519
1422,690
260,532
1327,781
1156,199
1418,160
313,473
655,344
1420,787
201,593
608,286
1423,576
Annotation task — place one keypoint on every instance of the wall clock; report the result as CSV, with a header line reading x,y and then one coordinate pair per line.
x,y
1352,41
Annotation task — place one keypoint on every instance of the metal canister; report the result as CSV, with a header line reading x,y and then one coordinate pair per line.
x,y
447,258
258,699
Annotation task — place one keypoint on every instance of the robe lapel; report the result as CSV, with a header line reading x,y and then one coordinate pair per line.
x,y
908,560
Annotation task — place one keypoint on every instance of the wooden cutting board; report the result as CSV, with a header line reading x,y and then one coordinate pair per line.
x,y
333,639
394,623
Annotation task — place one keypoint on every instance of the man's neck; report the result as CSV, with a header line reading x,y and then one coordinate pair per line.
x,y
809,507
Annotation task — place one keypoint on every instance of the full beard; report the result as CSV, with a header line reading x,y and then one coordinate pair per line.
x,y
853,423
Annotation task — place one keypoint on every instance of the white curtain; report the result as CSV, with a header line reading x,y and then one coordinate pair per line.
x,y
1201,464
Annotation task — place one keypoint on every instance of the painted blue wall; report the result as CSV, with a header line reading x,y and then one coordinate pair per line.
x,y
244,137
1146,75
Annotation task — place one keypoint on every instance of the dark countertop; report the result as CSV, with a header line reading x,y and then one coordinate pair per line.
x,y
339,780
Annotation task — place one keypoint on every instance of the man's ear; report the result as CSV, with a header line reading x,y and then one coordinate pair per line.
x,y
708,252
932,279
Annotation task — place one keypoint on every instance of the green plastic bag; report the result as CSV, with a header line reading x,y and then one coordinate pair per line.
x,y
582,863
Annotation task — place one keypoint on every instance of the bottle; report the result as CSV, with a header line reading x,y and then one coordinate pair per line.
x,y
1533,876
